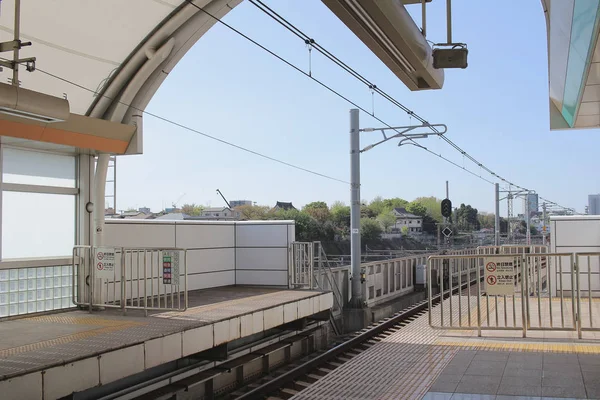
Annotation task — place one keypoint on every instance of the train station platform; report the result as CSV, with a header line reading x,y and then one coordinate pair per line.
x,y
420,362
52,356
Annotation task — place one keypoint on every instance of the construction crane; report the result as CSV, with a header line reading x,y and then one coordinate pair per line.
x,y
224,199
177,201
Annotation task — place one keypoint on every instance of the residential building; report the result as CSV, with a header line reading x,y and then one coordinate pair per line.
x,y
594,204
281,205
218,213
414,223
238,203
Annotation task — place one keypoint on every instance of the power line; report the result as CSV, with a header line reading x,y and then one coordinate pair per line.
x,y
313,44
308,75
169,121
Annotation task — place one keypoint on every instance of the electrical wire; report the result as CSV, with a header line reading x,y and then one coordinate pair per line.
x,y
321,83
330,56
169,121
314,44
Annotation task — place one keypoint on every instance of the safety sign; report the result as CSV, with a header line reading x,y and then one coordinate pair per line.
x,y
499,276
170,267
104,262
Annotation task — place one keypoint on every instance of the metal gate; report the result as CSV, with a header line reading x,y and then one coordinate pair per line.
x,y
138,278
301,265
533,292
588,285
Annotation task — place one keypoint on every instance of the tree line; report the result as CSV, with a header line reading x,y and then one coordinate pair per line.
x,y
320,221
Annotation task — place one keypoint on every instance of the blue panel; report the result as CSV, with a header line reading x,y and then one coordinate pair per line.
x,y
585,19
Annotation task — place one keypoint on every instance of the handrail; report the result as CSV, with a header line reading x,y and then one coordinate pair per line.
x,y
338,297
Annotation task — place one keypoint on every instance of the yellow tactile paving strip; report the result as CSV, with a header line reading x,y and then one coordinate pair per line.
x,y
405,364
584,348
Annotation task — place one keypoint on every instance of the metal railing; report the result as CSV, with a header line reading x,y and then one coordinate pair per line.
x,y
527,292
301,265
149,279
588,288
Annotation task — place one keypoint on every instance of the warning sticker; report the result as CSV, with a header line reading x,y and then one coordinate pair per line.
x,y
105,261
171,267
499,276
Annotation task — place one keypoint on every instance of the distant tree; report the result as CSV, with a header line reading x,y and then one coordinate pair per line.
x,y
486,220
386,220
396,202
318,210
377,206
466,218
404,230
433,206
370,230
250,212
340,214
429,225
192,209
417,208
367,212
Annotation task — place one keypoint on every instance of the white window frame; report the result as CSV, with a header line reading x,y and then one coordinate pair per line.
x,y
31,188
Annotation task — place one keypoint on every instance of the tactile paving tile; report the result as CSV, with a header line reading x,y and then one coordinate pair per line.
x,y
405,364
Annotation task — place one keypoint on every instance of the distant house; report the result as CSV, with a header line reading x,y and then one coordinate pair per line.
x,y
239,203
216,214
283,206
175,216
414,223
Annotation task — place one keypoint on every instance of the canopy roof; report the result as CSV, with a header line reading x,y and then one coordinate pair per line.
x,y
106,55
574,62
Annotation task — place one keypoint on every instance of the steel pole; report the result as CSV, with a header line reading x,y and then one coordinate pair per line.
x,y
355,256
544,223
497,217
528,216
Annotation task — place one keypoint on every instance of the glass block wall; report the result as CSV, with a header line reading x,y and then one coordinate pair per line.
x,y
29,290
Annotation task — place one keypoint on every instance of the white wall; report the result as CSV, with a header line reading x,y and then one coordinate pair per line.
x,y
220,253
578,234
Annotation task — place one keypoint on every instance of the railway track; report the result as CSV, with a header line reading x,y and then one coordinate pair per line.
x,y
293,378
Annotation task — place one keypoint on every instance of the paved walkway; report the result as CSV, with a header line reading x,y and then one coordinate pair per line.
x,y
420,362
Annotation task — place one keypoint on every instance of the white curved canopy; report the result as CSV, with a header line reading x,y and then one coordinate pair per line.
x,y
121,50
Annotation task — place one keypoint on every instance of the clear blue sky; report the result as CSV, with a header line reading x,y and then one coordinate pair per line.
x,y
496,109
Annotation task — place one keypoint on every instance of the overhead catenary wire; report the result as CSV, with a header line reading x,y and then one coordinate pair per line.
x,y
310,76
169,121
298,70
315,45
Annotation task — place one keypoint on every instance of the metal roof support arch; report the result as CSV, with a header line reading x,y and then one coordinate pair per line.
x,y
135,82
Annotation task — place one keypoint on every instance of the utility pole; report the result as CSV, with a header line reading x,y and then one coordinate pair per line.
x,y
407,137
497,217
355,256
528,219
544,223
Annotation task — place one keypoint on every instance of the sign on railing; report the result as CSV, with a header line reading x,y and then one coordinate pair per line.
x,y
504,292
131,278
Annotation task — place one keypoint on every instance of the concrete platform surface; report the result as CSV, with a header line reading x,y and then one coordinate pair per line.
x,y
40,356
419,362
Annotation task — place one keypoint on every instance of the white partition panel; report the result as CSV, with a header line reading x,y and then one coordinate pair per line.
x,y
577,234
270,278
204,235
254,234
261,259
220,253
138,234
